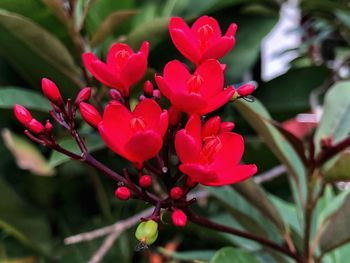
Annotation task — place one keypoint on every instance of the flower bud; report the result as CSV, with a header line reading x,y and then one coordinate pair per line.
x,y
51,91
142,97
115,94
83,95
179,218
48,127
22,114
35,126
227,126
148,89
190,183
145,181
147,232
176,192
156,94
174,116
211,127
90,114
245,90
123,193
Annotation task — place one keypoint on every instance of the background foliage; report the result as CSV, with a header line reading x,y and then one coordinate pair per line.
x,y
45,197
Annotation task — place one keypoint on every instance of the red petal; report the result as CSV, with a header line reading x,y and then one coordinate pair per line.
x,y
111,61
143,146
194,128
134,69
198,173
213,78
190,103
144,48
187,148
186,45
163,123
211,127
232,176
105,75
115,127
163,86
149,111
219,100
176,75
219,48
231,31
207,20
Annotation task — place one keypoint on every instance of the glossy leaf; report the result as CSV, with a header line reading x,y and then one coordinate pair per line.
x,y
30,99
229,255
36,53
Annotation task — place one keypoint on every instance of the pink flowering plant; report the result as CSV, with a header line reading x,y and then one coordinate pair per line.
x,y
173,144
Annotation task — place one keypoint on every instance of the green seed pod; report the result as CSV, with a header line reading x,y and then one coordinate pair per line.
x,y
147,232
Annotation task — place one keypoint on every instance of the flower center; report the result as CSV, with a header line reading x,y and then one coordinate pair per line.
x,y
212,144
137,124
205,31
121,56
194,84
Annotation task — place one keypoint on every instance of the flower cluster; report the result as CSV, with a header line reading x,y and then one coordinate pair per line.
x,y
208,152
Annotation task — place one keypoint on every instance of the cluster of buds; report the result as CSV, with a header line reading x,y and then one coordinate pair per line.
x,y
209,153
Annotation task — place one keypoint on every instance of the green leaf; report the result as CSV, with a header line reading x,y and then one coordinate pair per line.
x,y
335,121
257,197
338,169
229,255
257,116
23,222
93,143
195,255
109,25
36,53
27,98
26,154
337,231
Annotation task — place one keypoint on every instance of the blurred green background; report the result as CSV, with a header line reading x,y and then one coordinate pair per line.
x,y
45,197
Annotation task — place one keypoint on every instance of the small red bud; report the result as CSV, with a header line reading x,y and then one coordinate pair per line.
x,y
35,126
51,91
227,126
148,89
245,90
179,218
123,193
48,126
174,116
211,127
22,114
190,183
90,114
83,95
176,192
156,94
145,181
142,97
115,94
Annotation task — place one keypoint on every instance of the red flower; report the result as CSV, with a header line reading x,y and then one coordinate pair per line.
x,y
123,69
199,93
212,160
137,135
203,40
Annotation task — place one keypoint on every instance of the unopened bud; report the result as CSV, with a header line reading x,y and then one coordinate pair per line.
x,y
156,94
176,192
83,95
148,89
147,232
22,114
90,114
211,127
142,97
35,126
123,193
48,127
115,94
179,218
245,90
190,183
145,181
226,126
51,91
174,116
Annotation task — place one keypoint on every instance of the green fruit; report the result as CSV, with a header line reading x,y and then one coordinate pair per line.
x,y
147,232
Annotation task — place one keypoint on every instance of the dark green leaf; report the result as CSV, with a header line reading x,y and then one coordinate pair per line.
x,y
229,255
27,98
194,255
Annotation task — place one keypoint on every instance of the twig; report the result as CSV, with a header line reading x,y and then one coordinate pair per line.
x,y
119,226
270,174
105,247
